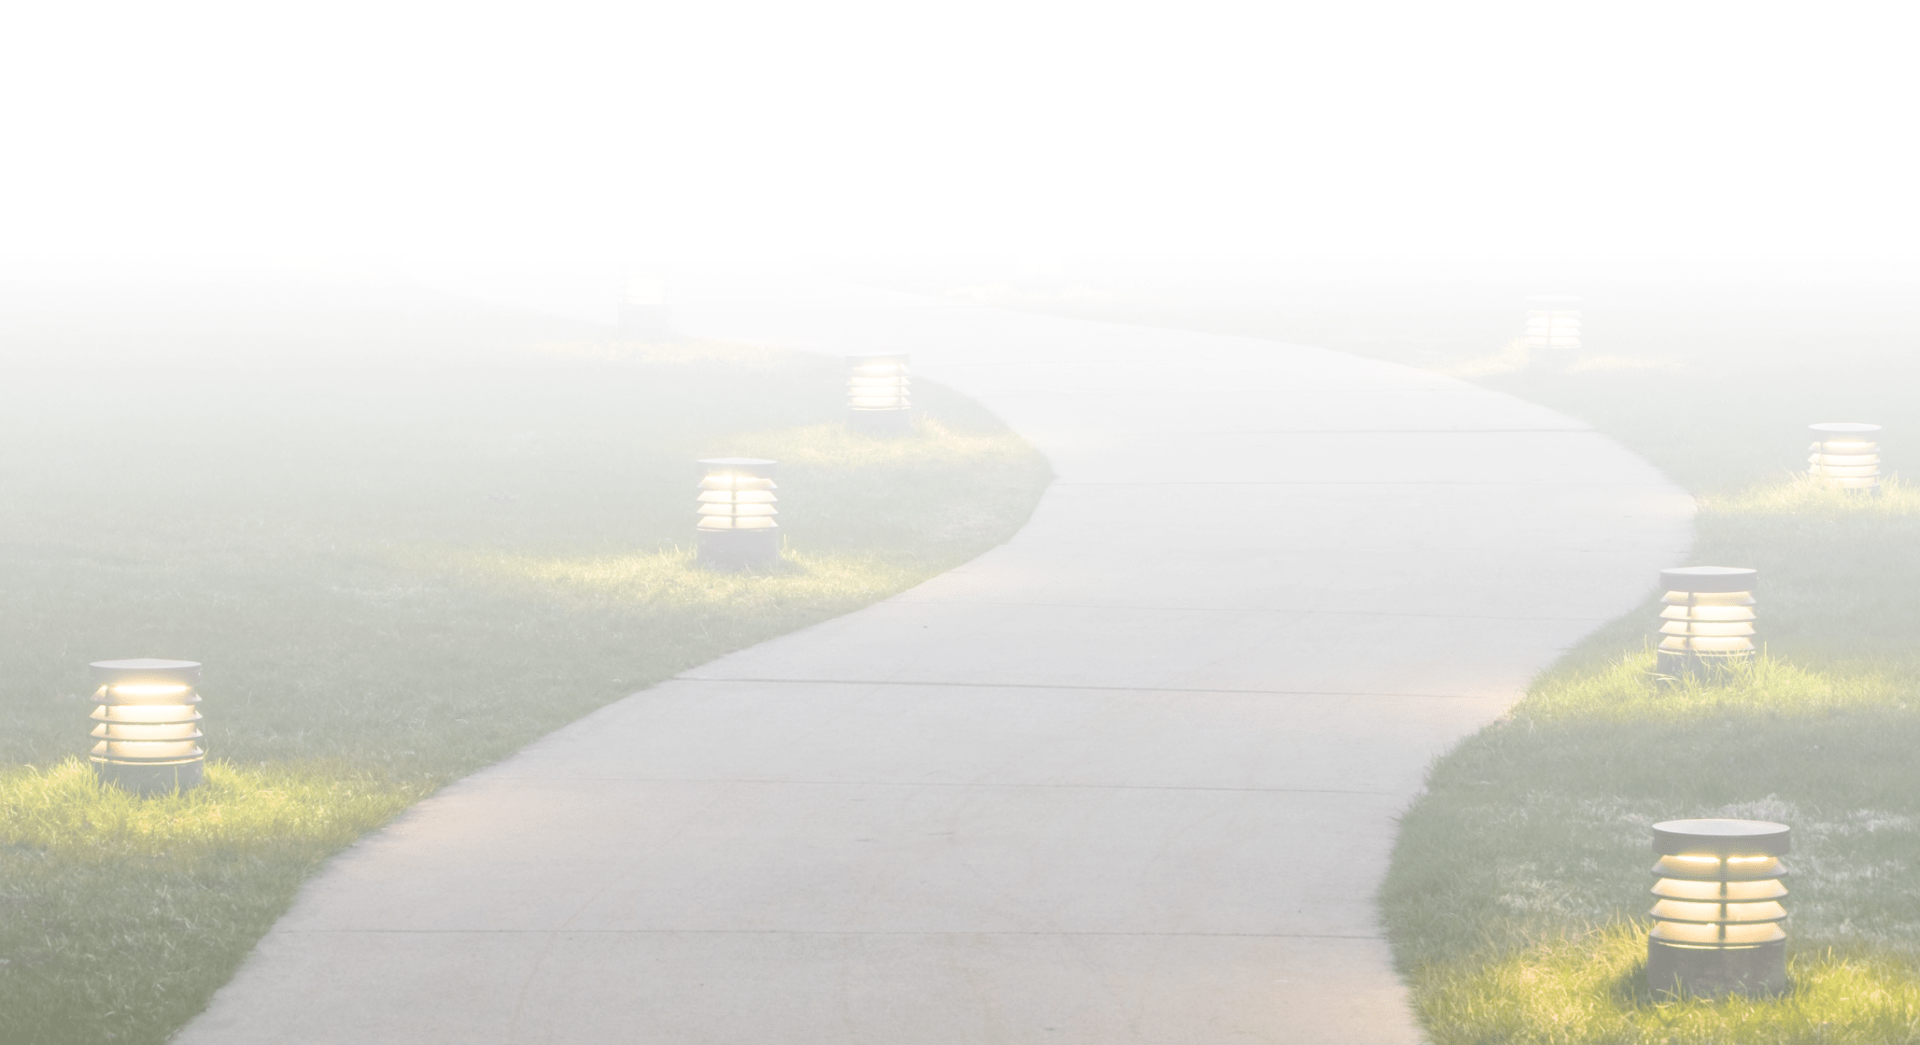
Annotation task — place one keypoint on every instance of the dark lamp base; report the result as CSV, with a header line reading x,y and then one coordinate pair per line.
x,y
645,321
881,422
737,549
152,780
1693,664
1706,972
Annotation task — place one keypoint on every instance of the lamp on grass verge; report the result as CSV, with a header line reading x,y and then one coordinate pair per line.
x,y
878,395
736,526
147,739
1708,619
1846,456
1553,322
1716,922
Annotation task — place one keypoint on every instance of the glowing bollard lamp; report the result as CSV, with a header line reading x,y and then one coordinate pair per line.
x,y
1716,922
878,395
1708,619
1845,456
149,725
1554,322
736,513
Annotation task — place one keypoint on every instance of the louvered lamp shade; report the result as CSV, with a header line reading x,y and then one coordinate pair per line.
x,y
736,512
879,395
1845,456
1708,617
1553,322
147,725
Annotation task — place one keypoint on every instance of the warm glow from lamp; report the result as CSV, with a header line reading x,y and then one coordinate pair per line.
x,y
736,510
1553,322
878,395
148,725
1846,456
1717,911
150,690
1708,617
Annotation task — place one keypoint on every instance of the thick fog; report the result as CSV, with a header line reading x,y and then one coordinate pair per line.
x,y
434,133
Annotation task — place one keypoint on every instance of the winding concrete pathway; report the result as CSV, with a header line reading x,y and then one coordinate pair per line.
x,y
1130,778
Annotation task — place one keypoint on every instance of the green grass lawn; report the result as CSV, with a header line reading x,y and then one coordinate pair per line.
x,y
406,535
1517,897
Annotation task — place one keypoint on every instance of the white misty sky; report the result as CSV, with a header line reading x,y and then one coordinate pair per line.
x,y
568,130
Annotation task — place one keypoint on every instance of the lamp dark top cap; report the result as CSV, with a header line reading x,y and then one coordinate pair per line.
x,y
1709,579
111,671
1844,428
1721,838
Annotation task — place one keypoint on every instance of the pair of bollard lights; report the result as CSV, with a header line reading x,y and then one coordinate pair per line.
x,y
735,500
1709,616
1717,889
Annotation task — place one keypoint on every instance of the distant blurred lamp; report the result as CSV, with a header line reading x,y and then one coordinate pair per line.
x,y
1716,922
1708,617
736,513
643,305
878,394
1041,270
1846,456
147,739
1553,322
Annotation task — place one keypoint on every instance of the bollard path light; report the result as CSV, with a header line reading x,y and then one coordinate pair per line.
x,y
1846,456
147,739
736,501
878,395
1716,920
1553,322
1708,619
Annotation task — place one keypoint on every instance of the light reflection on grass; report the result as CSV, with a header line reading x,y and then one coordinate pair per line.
x,y
63,812
1592,988
1801,494
674,578
121,912
1630,689
932,441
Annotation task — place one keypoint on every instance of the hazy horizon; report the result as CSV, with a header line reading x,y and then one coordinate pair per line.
x,y
413,135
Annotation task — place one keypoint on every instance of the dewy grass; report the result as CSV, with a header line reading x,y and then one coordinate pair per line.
x,y
405,536
1799,494
123,914
1590,988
